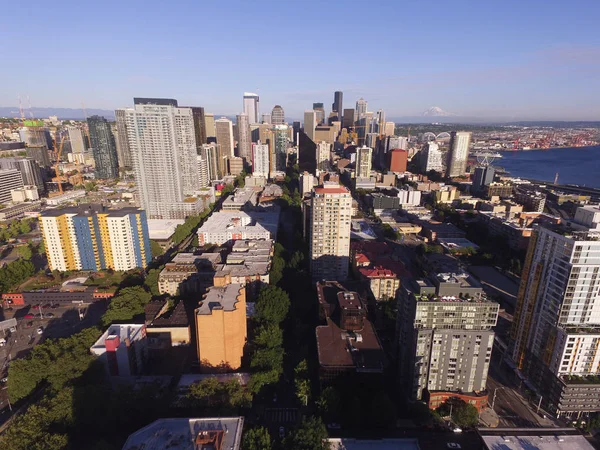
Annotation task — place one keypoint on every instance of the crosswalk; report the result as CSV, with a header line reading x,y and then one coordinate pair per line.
x,y
281,415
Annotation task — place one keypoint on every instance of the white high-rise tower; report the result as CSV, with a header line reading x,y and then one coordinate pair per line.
x,y
251,107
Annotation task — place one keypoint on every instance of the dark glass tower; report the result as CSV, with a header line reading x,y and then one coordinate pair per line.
x,y
337,103
104,148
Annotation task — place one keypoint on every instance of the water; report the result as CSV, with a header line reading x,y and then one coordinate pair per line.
x,y
575,165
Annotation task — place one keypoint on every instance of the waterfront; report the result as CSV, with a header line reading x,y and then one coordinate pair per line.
x,y
575,165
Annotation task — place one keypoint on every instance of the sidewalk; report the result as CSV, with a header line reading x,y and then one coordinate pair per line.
x,y
489,418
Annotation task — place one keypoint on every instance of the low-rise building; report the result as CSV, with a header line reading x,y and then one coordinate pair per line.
x,y
161,231
123,349
241,199
517,230
532,201
166,325
18,211
501,190
434,230
188,273
227,226
67,197
384,283
24,194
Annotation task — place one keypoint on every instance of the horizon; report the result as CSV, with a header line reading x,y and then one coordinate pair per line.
x,y
500,63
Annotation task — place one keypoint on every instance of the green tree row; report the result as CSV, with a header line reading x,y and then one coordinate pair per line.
x,y
15,229
128,304
15,273
184,230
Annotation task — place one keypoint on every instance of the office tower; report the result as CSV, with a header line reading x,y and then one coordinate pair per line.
x,y
319,113
398,160
29,169
310,123
389,128
364,156
251,107
361,108
483,177
277,115
244,139
235,165
307,183
35,136
556,326
211,154
260,160
266,118
123,151
40,155
431,158
163,149
9,179
199,125
209,122
458,154
362,129
102,142
224,130
379,121
203,170
279,145
78,141
337,103
221,327
445,336
92,237
371,140
348,118
330,213
323,156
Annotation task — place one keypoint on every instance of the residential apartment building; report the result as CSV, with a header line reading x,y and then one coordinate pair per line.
x,y
431,158
323,153
244,139
458,154
122,141
9,179
92,237
364,156
330,214
122,349
227,226
103,147
260,160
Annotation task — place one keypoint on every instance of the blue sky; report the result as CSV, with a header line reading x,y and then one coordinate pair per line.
x,y
526,59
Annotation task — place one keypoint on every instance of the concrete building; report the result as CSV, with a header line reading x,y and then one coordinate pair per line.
x,y
209,123
280,138
323,156
338,103
445,336
361,109
122,141
319,110
310,123
241,199
18,211
483,176
244,139
398,160
103,147
458,154
92,237
266,118
123,350
221,328
383,283
330,216
251,107
224,130
389,128
210,164
78,140
29,168
348,118
325,133
188,273
556,327
307,183
431,158
10,179
199,126
364,156
235,165
532,201
277,115
227,226
161,231
24,194
260,160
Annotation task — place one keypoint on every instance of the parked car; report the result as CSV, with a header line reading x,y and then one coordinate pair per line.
x,y
40,330
453,445
13,329
47,305
29,316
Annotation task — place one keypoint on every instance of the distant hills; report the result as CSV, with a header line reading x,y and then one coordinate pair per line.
x,y
61,113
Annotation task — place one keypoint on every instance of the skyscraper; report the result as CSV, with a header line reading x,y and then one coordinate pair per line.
x,y
163,149
348,118
323,156
79,144
123,152
380,122
337,103
210,153
224,134
266,118
244,139
483,177
431,158
251,102
389,128
330,214
260,160
277,115
9,179
104,149
364,157
458,154
29,169
199,125
209,122
556,327
361,108
279,145
319,113
310,123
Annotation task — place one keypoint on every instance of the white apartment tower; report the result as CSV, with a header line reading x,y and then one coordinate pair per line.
x,y
458,153
431,158
323,156
310,122
330,214
251,107
260,160
224,134
364,156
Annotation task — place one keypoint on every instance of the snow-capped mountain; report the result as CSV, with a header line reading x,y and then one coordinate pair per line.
x,y
436,111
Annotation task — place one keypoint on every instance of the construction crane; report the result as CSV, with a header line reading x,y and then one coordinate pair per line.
x,y
58,177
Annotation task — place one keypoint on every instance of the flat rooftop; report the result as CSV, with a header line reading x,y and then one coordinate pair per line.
x,y
528,439
162,229
122,331
181,434
238,221
219,297
377,444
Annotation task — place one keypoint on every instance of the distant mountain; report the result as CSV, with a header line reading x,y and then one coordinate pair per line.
x,y
61,113
436,111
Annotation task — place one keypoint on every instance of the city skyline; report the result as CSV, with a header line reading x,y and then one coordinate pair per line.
x,y
508,64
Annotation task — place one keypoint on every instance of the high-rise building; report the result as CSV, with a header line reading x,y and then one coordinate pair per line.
x,y
277,115
398,160
224,130
251,109
361,109
235,165
307,182
9,179
163,149
244,139
123,152
279,144
323,156
330,214
445,336
260,160
29,169
348,118
556,327
431,158
266,118
102,142
337,105
214,166
482,177
199,125
379,122
35,136
389,128
209,123
78,141
319,110
221,327
458,154
364,157
92,237
310,123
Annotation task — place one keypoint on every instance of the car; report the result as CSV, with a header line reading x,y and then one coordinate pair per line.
x,y
281,432
13,329
49,315
453,445
40,330
29,316
457,430
2,342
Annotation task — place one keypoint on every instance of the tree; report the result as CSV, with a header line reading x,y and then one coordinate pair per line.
x,y
14,274
329,403
256,439
311,434
25,251
156,249
268,359
129,302
269,336
151,281
272,305
302,382
463,414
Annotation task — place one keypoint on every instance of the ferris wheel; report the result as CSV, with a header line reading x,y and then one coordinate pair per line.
x,y
485,158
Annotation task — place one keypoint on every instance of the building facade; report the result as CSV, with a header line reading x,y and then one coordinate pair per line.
x,y
224,130
364,157
251,109
123,152
244,139
104,148
260,160
338,103
398,160
431,158
9,179
458,153
277,115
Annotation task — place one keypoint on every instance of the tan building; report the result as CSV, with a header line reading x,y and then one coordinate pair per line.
x,y
384,283
236,165
325,133
221,327
364,157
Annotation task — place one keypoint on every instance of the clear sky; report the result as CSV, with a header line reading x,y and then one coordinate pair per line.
x,y
512,59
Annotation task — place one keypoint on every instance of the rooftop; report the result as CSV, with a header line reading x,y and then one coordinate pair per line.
x,y
376,444
224,298
162,229
133,332
221,433
534,438
89,209
239,221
